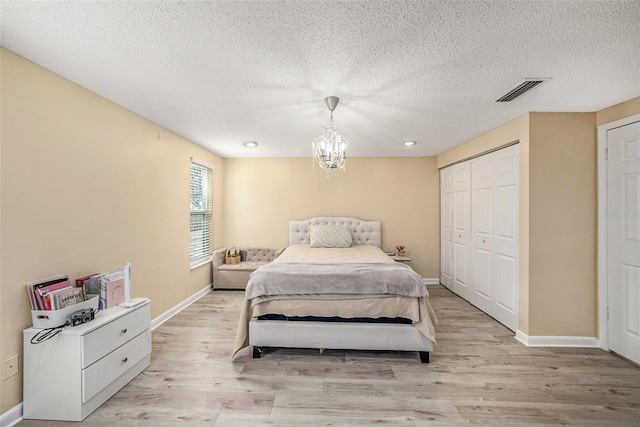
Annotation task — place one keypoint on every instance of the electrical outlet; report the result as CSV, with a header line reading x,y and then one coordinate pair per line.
x,y
10,367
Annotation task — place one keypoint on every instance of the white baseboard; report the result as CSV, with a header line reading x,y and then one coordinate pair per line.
x,y
431,281
180,306
12,417
555,341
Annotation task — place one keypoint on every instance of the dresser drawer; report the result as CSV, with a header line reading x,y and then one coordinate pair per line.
x,y
100,342
102,373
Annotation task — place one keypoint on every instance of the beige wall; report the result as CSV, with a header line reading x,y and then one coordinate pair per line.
x,y
262,195
618,111
510,132
86,187
562,225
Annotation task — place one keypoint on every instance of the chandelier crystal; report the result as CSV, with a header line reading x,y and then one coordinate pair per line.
x,y
329,149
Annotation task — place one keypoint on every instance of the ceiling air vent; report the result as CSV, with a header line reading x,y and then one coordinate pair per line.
x,y
521,89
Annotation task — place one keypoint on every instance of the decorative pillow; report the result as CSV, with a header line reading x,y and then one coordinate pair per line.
x,y
330,236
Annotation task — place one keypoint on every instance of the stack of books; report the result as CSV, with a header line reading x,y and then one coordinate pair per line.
x,y
57,293
54,294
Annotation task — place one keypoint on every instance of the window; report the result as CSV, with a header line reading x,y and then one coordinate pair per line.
x,y
201,195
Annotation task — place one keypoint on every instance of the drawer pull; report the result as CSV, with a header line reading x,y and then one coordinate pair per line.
x,y
124,331
483,241
125,360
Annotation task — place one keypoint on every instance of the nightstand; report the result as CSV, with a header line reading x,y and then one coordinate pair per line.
x,y
401,259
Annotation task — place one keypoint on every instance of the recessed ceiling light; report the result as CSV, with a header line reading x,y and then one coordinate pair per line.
x,y
408,143
251,144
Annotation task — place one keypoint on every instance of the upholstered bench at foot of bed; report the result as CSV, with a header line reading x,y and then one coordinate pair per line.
x,y
236,276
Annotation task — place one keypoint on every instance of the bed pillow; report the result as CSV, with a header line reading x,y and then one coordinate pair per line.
x,y
330,236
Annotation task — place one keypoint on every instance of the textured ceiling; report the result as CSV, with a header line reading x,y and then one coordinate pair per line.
x,y
224,72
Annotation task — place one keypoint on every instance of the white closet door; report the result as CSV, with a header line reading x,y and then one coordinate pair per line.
x,y
480,198
506,281
446,226
462,229
482,226
623,240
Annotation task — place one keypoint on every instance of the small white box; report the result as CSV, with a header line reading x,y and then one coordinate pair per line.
x,y
43,319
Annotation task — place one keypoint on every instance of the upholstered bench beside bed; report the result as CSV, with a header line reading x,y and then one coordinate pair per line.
x,y
236,276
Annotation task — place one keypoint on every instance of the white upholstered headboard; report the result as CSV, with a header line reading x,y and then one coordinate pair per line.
x,y
363,232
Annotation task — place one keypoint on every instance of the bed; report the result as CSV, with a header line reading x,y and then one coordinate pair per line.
x,y
334,288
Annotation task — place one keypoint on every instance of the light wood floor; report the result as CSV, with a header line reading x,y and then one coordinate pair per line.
x,y
478,374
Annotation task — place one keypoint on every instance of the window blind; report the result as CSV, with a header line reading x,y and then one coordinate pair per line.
x,y
201,200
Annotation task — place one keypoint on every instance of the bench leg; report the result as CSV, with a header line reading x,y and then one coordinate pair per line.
x,y
424,356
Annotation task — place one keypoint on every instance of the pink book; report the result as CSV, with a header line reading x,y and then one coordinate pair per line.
x,y
115,292
41,292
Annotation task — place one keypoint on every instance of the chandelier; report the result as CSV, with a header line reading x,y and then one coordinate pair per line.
x,y
329,149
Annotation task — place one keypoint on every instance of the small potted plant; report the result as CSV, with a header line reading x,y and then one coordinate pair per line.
x,y
400,249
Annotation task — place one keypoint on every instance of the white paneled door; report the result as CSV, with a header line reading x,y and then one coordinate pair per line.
x,y
623,240
482,223
505,284
494,228
446,225
461,229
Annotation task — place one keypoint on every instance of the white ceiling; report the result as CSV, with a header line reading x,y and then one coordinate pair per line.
x,y
224,72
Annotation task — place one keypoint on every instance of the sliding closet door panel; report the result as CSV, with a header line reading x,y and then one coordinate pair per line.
x,y
507,200
482,228
482,279
446,226
506,283
461,270
506,223
446,277
462,229
505,307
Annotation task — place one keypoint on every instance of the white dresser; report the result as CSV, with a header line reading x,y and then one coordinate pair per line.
x,y
70,375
